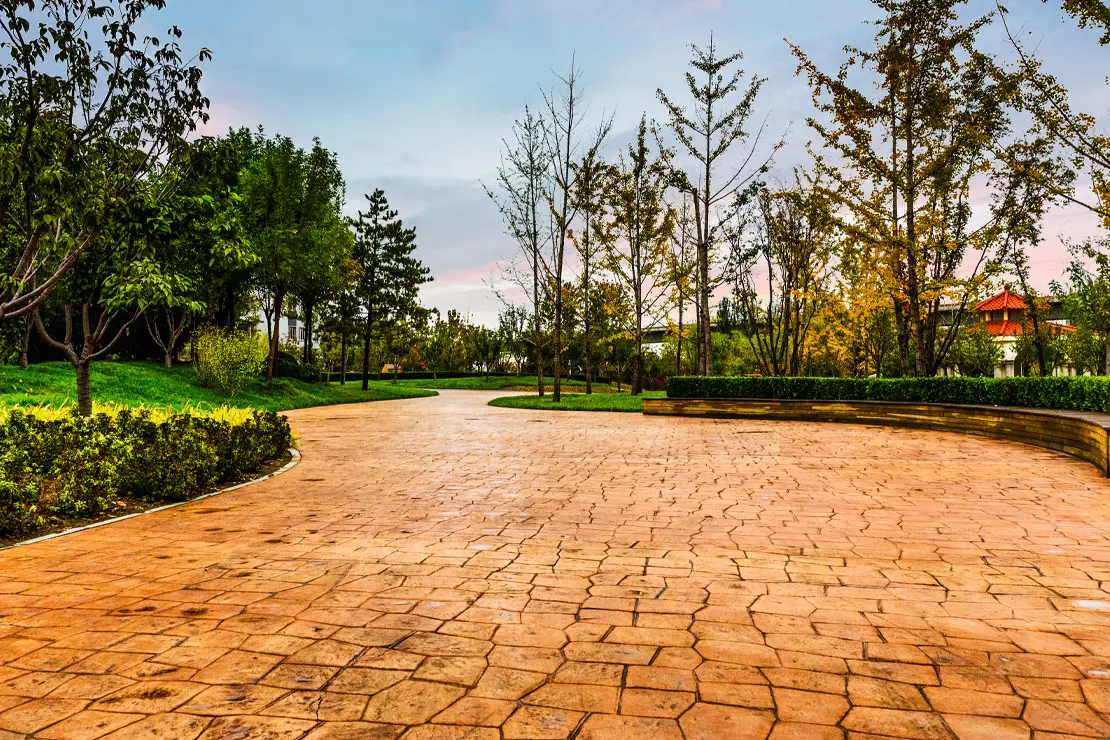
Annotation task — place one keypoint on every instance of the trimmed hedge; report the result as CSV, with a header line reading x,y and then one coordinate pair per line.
x,y
1070,393
77,466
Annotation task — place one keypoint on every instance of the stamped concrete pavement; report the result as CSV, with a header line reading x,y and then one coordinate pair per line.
x,y
437,568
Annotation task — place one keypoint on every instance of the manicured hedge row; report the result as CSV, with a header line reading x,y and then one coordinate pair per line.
x,y
1073,393
75,466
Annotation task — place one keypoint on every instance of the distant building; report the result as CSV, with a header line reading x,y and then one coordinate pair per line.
x,y
1003,316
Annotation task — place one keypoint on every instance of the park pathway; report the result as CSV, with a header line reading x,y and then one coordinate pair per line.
x,y
437,568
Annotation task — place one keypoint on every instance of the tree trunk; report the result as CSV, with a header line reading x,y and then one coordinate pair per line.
x,y
25,344
307,333
557,387
169,359
1106,369
279,299
343,358
366,354
84,388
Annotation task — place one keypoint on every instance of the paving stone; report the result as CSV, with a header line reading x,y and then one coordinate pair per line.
x,y
592,576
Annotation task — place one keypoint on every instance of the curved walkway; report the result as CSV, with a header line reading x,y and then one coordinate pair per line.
x,y
512,574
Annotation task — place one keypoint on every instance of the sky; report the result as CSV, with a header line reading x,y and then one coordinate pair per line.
x,y
416,96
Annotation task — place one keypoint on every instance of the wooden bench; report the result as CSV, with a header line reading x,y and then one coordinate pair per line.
x,y
1085,435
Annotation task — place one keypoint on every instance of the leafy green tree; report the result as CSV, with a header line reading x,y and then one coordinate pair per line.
x,y
342,316
1086,296
292,200
1085,351
109,287
513,327
976,354
81,81
204,247
389,275
487,346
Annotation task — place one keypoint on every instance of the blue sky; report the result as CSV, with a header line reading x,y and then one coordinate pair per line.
x,y
416,95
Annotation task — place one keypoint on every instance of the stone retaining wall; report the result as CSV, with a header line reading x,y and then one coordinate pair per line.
x,y
1083,435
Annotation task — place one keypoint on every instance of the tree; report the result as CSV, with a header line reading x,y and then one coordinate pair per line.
x,y
976,354
908,151
112,283
722,107
80,82
591,176
204,248
562,140
1086,297
487,347
291,207
513,326
389,276
322,277
682,271
793,239
522,179
342,311
637,235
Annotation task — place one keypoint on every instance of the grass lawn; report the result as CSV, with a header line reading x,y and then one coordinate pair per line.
x,y
580,402
151,384
492,383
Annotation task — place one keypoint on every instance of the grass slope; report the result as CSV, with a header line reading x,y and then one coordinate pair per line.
x,y
580,402
150,384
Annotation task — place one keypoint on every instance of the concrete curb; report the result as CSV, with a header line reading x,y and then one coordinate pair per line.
x,y
296,454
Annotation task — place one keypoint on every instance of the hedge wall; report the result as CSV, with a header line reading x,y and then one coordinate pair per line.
x,y
1072,393
76,466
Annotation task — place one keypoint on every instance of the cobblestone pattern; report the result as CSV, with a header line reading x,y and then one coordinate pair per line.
x,y
436,568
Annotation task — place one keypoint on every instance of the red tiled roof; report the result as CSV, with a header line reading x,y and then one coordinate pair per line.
x,y
1001,302
1013,328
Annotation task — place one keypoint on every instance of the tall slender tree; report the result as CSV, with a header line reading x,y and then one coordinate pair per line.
x,y
389,276
292,200
637,236
591,179
723,104
523,179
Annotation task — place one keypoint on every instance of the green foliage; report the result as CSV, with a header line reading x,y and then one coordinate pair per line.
x,y
177,389
92,109
89,462
225,360
1074,393
975,353
1085,351
625,402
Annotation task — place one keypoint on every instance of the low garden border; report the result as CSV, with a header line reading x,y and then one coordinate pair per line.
x,y
1082,434
294,453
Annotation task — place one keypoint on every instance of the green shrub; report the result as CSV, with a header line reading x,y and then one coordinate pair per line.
x,y
226,361
1072,393
19,493
88,463
287,365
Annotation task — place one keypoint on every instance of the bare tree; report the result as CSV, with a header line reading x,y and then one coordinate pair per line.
x,y
722,108
561,133
522,182
793,240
